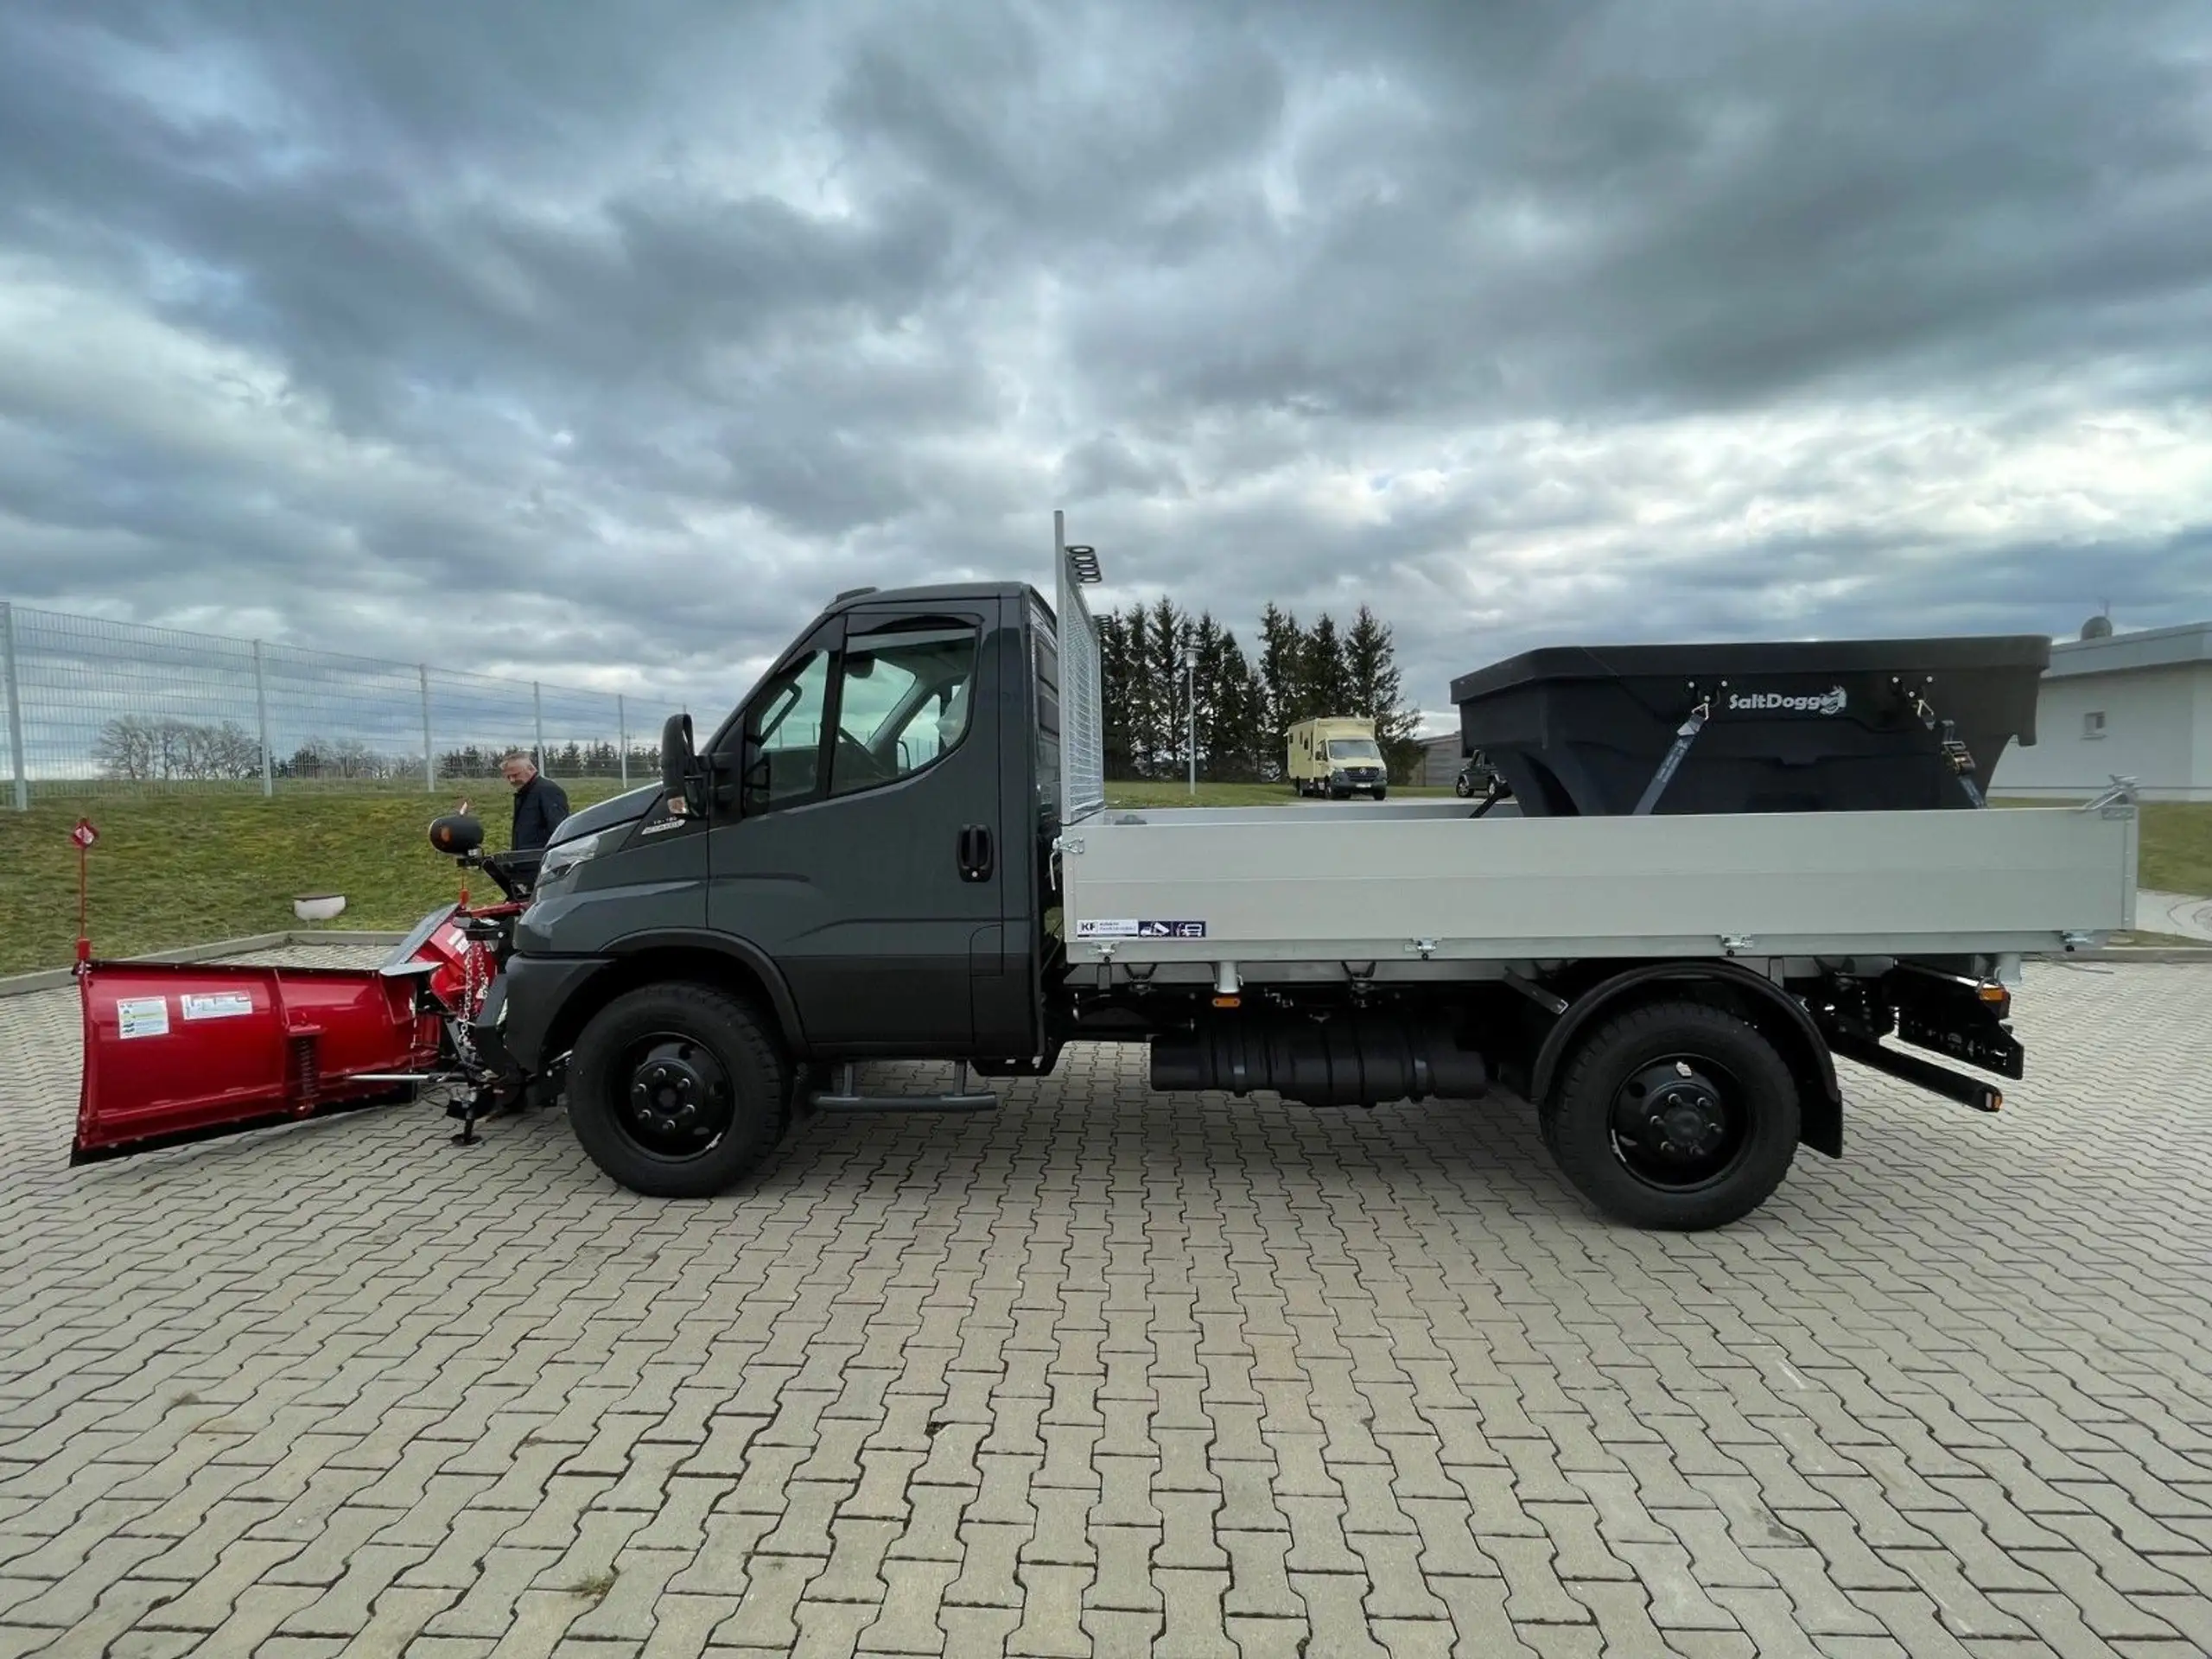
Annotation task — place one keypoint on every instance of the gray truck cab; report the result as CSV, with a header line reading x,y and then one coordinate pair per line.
x,y
852,866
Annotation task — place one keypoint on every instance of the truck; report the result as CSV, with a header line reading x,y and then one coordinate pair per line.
x,y
806,891
1336,756
897,846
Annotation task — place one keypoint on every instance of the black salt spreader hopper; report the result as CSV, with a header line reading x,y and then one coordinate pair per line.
x,y
1857,725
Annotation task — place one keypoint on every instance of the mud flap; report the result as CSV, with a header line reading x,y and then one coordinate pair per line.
x,y
175,1053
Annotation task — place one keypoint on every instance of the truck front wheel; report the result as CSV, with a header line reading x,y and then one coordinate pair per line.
x,y
677,1091
1675,1115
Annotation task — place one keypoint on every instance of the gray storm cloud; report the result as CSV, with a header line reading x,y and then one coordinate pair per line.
x,y
618,338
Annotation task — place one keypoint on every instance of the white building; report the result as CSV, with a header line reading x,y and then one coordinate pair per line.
x,y
2132,705
1439,761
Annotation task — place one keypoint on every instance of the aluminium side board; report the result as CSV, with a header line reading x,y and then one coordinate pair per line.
x,y
1426,882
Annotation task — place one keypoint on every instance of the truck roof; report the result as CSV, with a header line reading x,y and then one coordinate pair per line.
x,y
946,590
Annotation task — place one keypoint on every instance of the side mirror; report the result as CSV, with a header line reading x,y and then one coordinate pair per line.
x,y
678,765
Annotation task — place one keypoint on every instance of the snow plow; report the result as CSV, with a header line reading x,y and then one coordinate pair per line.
x,y
182,1052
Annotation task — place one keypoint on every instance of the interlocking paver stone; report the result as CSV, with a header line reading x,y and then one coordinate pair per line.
x,y
1112,1372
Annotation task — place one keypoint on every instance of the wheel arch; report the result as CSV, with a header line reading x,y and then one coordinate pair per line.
x,y
1769,1009
721,960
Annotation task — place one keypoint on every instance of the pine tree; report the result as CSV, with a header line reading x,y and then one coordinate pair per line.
x,y
1205,636
1166,631
1324,684
1372,680
1280,641
1117,737
1234,734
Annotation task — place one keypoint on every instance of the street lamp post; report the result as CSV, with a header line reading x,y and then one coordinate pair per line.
x,y
1190,710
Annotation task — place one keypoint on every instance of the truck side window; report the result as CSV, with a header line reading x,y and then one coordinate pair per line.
x,y
902,697
784,736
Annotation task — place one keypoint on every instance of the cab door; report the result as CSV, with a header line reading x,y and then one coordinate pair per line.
x,y
859,844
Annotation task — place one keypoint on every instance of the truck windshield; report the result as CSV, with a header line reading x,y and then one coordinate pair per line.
x,y
1353,748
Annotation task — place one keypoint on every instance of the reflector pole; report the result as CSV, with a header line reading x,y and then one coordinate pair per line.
x,y
84,885
429,759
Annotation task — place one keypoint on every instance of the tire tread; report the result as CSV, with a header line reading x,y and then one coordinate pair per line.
x,y
754,1133
1588,1161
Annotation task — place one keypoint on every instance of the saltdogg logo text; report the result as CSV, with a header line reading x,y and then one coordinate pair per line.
x,y
1830,702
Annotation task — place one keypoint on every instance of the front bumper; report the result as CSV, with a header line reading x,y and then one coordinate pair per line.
x,y
537,990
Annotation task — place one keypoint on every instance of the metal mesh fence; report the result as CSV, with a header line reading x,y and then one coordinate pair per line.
x,y
1083,727
99,706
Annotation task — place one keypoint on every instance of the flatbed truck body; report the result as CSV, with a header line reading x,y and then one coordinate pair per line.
x,y
897,846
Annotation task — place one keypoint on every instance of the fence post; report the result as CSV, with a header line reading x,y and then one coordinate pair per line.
x,y
537,715
15,706
260,722
429,759
622,737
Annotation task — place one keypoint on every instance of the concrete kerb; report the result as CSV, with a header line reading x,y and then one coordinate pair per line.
x,y
53,979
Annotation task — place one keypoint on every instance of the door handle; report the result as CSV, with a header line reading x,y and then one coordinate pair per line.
x,y
974,853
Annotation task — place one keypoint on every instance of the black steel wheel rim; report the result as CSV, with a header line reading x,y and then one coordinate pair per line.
x,y
676,1099
1681,1123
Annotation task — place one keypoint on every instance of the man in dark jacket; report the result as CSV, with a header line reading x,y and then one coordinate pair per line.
x,y
539,803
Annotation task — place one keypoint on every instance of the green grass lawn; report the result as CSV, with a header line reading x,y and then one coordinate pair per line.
x,y
2176,847
193,866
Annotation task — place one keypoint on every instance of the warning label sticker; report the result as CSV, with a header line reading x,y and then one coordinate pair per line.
x,y
1171,930
143,1016
216,1005
1139,928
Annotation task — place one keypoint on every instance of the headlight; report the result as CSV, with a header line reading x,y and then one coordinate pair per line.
x,y
561,859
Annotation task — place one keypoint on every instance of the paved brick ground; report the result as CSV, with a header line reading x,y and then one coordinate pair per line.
x,y
1110,1373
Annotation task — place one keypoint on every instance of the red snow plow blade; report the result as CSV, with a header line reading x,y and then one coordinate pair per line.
x,y
185,1052
176,1053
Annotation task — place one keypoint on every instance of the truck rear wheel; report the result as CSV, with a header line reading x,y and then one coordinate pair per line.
x,y
1675,1115
675,1091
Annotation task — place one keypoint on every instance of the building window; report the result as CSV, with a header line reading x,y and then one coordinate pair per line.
x,y
2092,723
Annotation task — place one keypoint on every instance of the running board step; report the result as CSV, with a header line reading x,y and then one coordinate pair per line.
x,y
845,1098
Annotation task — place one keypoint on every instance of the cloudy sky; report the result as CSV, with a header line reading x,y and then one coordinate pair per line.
x,y
607,342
